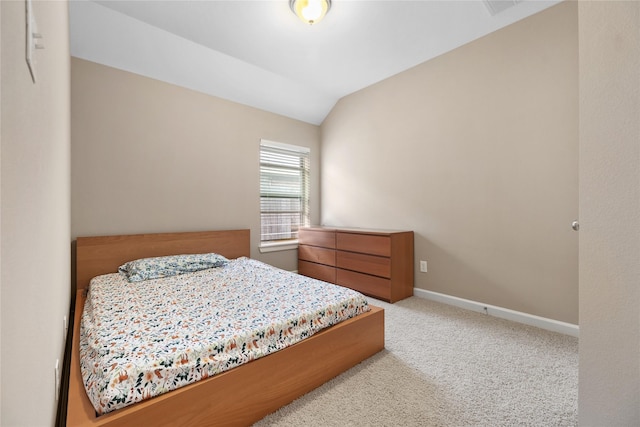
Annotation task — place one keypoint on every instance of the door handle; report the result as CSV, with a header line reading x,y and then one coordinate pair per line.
x,y
575,225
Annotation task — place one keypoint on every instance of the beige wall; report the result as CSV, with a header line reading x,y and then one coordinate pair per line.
x,y
609,377
148,156
34,210
476,151
0,216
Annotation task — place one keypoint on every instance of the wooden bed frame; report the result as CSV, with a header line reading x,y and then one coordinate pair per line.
x,y
240,396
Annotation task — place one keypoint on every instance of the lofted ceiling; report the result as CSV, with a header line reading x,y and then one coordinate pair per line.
x,y
259,54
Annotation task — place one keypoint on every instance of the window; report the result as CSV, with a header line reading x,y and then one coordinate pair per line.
x,y
284,191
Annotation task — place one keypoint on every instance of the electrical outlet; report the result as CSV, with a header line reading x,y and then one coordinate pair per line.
x,y
65,328
423,266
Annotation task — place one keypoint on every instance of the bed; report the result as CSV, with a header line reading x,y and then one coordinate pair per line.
x,y
241,395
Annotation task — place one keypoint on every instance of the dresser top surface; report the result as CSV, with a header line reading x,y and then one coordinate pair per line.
x,y
353,230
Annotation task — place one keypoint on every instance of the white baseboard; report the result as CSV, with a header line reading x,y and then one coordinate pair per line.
x,y
503,313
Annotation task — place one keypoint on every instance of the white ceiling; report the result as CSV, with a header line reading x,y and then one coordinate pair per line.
x,y
259,54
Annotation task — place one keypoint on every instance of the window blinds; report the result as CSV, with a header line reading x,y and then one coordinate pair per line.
x,y
284,190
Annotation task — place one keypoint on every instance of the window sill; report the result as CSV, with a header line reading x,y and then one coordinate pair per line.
x,y
286,245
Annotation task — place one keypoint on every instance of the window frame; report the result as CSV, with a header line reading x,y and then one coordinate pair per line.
x,y
305,155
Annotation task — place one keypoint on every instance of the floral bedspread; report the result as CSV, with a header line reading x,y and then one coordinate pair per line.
x,y
142,339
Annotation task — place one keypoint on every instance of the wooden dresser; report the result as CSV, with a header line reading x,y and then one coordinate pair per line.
x,y
377,263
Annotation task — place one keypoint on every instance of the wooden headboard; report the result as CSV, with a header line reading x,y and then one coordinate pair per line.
x,y
104,254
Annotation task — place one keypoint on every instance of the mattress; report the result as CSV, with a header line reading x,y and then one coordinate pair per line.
x,y
142,339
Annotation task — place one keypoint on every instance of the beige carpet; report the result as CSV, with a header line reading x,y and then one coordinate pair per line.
x,y
445,366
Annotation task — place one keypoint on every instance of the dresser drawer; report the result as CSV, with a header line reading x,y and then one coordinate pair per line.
x,y
366,243
316,254
370,285
323,238
370,264
317,271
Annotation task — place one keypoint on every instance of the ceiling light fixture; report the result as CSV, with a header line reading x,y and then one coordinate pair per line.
x,y
310,11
